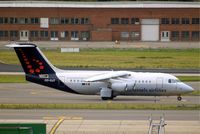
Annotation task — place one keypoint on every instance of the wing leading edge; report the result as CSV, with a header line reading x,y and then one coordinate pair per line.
x,y
108,76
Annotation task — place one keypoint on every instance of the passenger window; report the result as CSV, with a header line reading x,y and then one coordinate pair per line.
x,y
169,81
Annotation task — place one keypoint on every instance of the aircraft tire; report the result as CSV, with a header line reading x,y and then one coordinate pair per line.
x,y
179,98
106,98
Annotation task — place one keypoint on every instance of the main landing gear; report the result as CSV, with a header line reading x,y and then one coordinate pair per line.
x,y
179,98
107,98
107,94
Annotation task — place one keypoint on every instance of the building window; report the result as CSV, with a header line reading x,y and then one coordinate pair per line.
x,y
124,35
195,35
34,34
34,21
175,21
3,20
195,20
185,21
135,35
3,34
175,35
13,20
124,21
114,20
85,35
64,21
185,35
23,20
13,33
134,20
84,21
74,21
74,35
54,34
54,21
164,20
64,34
44,34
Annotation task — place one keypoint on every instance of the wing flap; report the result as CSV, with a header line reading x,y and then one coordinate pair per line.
x,y
107,76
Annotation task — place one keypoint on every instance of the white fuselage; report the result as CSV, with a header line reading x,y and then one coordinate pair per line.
x,y
138,83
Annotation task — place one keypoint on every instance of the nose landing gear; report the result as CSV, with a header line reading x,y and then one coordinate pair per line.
x,y
179,98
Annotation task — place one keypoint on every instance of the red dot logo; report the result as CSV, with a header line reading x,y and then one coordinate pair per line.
x,y
37,70
29,66
27,62
31,71
41,67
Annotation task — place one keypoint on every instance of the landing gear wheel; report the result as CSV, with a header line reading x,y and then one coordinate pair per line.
x,y
107,98
179,98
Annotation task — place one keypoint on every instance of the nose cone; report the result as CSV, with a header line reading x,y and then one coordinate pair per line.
x,y
187,89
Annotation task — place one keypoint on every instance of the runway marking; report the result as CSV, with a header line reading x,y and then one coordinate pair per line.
x,y
54,128
109,102
33,92
62,117
184,100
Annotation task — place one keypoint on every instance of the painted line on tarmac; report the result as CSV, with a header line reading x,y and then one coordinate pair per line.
x,y
57,124
62,117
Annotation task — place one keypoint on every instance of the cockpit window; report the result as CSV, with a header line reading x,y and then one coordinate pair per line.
x,y
173,80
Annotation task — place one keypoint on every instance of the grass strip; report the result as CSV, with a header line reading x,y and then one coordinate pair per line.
x,y
194,93
189,78
117,58
12,79
104,106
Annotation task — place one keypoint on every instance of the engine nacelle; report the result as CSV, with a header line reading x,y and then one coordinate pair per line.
x,y
120,87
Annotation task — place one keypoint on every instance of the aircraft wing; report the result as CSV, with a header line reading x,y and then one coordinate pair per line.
x,y
108,76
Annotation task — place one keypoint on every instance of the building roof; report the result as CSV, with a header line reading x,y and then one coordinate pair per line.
x,y
144,4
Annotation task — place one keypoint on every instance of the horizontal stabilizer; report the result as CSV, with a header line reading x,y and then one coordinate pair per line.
x,y
20,45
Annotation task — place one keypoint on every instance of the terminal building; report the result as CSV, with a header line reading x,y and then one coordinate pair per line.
x,y
99,21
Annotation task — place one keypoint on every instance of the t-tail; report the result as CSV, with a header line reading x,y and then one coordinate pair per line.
x,y
37,67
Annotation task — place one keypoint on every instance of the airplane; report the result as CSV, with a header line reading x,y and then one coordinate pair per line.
x,y
107,84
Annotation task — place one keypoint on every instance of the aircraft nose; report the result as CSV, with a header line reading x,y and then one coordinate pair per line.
x,y
187,88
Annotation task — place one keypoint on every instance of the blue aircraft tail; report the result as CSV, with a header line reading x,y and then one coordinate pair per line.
x,y
32,60
37,67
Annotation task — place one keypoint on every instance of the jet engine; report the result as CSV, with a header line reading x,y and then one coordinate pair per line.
x,y
120,87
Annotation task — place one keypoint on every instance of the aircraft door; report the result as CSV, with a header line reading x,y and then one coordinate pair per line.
x,y
159,83
60,83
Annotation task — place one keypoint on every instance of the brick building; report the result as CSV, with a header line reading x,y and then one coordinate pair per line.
x,y
100,21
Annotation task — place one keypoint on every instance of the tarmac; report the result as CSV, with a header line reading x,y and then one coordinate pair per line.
x,y
34,93
81,126
106,121
111,44
98,121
